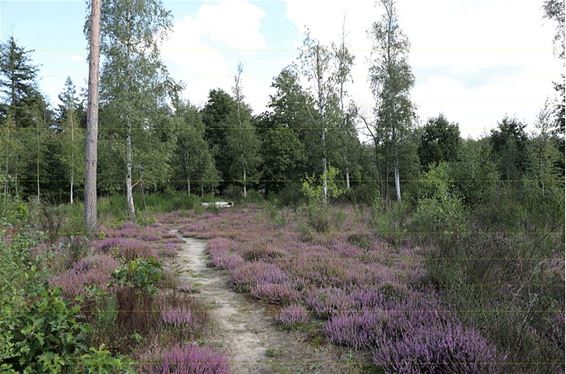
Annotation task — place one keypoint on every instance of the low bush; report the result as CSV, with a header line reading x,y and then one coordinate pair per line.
x,y
293,316
188,359
141,274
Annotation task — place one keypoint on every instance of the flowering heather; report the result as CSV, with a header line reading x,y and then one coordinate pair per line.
x,y
169,250
354,329
293,315
93,271
249,274
189,359
372,295
450,349
228,262
125,247
326,302
177,317
275,293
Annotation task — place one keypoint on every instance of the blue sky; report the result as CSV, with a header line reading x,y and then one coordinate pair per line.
x,y
473,60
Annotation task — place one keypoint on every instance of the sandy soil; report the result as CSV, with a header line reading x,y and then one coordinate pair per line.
x,y
244,330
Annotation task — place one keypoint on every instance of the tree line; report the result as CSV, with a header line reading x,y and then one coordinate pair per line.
x,y
150,139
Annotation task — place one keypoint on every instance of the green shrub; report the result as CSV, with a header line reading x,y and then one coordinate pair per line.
x,y
140,273
44,336
101,361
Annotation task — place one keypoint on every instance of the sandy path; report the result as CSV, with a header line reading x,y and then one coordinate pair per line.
x,y
243,330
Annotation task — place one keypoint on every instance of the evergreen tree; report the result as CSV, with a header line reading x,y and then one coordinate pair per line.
x,y
439,141
17,82
72,137
215,118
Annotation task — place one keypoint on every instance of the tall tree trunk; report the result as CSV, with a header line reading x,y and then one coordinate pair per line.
x,y
325,167
72,183
37,165
92,120
245,189
188,185
129,162
347,178
72,160
397,181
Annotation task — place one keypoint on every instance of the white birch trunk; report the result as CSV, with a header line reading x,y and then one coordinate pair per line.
x,y
129,162
397,182
245,188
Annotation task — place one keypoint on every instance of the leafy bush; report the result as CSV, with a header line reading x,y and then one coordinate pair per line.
x,y
44,335
439,212
317,212
100,360
140,273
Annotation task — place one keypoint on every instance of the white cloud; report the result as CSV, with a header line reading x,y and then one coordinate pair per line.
x,y
474,61
203,49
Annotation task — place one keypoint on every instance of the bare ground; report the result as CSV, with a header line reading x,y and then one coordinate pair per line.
x,y
245,331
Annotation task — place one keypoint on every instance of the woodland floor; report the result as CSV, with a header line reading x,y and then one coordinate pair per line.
x,y
244,329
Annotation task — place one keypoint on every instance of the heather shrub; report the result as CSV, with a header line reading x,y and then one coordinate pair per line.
x,y
293,316
141,274
262,252
275,293
177,317
325,302
248,275
137,313
356,329
189,359
450,349
90,272
228,262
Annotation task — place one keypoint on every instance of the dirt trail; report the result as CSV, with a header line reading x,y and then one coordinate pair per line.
x,y
242,328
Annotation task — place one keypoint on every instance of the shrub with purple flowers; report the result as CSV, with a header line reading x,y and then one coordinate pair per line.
x,y
92,271
293,316
451,349
177,317
249,274
189,359
356,329
275,293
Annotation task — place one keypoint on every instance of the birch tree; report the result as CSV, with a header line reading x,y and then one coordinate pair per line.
x,y
136,87
346,134
391,80
316,64
243,144
192,158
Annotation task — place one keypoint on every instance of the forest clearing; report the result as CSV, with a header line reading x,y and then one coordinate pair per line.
x,y
145,232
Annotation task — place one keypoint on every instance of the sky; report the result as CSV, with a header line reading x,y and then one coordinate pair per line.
x,y
475,61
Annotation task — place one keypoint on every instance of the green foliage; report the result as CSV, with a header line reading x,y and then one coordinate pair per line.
x,y
45,336
283,158
439,211
317,211
313,189
141,273
439,141
100,360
